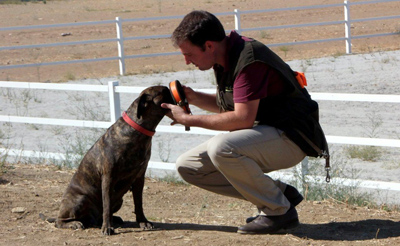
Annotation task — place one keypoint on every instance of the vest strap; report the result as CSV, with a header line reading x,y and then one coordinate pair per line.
x,y
321,153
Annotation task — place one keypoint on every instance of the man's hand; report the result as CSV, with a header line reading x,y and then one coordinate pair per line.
x,y
190,94
176,113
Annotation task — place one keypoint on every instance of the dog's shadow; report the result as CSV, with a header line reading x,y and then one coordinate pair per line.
x,y
334,231
182,226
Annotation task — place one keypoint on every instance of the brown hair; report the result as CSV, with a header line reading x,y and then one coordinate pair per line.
x,y
198,27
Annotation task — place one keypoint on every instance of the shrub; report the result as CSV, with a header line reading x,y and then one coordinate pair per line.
x,y
314,188
365,153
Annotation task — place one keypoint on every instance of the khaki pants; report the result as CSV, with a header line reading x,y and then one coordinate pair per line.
x,y
234,164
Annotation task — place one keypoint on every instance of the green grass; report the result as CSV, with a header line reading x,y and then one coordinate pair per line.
x,y
365,153
265,35
3,167
319,191
171,178
75,148
69,76
285,49
338,54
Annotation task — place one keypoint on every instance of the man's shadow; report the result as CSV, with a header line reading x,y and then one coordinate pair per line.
x,y
334,231
349,231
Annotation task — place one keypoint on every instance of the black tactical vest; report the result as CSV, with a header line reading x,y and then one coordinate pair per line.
x,y
294,111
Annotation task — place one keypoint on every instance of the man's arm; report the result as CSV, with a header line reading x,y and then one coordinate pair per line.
x,y
202,100
242,117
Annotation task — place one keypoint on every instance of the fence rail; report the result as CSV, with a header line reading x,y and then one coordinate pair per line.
x,y
113,89
120,39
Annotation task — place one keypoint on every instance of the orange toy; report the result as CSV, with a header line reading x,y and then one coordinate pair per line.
x,y
178,95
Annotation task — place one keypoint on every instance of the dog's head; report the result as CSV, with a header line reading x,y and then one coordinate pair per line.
x,y
146,109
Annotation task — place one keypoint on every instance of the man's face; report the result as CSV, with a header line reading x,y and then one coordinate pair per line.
x,y
202,59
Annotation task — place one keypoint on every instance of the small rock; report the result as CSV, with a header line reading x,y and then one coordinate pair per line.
x,y
19,210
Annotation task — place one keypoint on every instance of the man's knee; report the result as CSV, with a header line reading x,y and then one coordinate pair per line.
x,y
181,167
219,149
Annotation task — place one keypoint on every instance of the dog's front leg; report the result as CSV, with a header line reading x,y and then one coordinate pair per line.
x,y
137,193
106,228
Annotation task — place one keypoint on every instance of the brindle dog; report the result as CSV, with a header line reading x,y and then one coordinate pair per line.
x,y
115,164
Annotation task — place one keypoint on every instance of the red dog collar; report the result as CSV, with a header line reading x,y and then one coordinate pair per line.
x,y
136,126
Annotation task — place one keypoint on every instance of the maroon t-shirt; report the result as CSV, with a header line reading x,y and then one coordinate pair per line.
x,y
256,81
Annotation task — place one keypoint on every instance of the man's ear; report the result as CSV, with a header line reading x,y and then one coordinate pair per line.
x,y
141,106
209,45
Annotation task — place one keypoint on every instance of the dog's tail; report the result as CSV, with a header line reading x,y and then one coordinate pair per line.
x,y
45,218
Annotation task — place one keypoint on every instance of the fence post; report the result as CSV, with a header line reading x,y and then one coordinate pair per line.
x,y
237,21
347,26
304,172
115,105
304,167
120,38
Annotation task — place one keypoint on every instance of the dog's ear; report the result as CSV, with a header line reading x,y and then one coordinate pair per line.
x,y
141,105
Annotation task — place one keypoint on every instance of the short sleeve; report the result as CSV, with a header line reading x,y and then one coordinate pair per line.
x,y
251,83
257,81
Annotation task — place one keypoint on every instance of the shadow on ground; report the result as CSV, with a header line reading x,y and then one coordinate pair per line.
x,y
349,231
183,226
335,231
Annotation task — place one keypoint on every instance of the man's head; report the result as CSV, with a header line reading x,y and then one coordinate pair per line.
x,y
199,36
198,27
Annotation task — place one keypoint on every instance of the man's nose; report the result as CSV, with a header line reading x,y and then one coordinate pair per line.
x,y
187,61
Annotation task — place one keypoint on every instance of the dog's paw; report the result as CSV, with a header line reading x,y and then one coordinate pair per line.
x,y
146,225
76,225
107,231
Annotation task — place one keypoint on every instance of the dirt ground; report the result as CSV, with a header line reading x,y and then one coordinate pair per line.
x,y
70,11
183,215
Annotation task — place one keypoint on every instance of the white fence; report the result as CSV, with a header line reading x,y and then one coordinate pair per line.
x,y
120,39
114,90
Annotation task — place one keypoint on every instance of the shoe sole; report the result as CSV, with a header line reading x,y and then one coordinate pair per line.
x,y
288,226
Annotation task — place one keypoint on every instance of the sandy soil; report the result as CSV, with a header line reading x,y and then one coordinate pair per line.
x,y
183,215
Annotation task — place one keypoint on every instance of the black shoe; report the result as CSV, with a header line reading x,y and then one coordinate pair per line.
x,y
293,196
271,224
